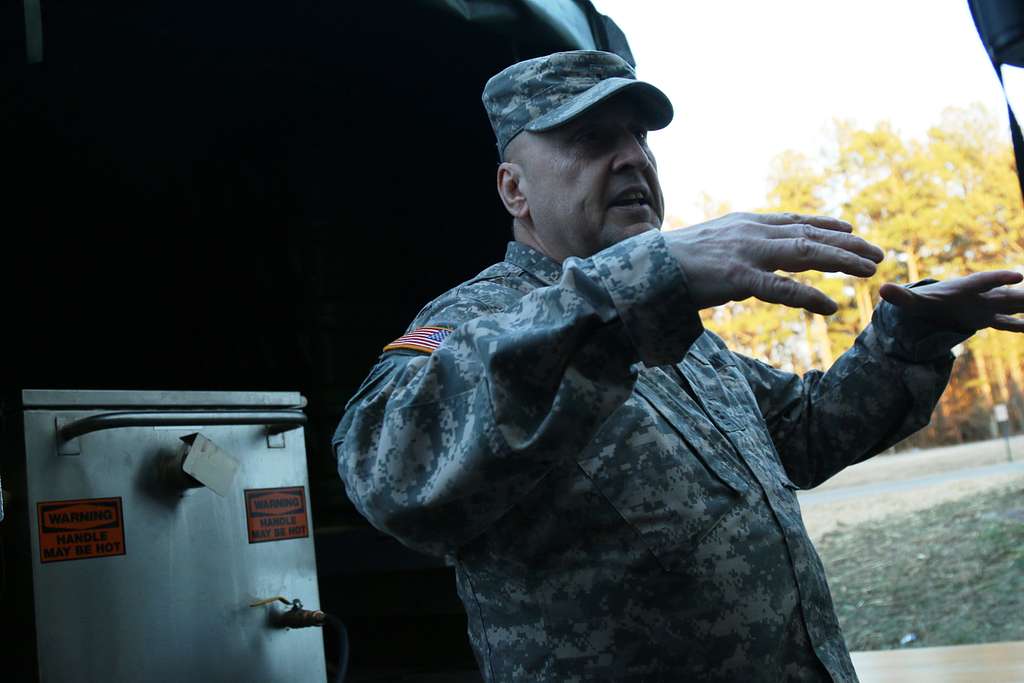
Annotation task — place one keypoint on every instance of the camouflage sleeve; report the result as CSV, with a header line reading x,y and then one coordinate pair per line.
x,y
435,448
877,393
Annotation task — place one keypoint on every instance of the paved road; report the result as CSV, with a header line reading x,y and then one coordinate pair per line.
x,y
926,462
809,498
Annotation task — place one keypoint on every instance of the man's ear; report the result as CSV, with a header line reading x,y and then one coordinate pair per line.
x,y
511,189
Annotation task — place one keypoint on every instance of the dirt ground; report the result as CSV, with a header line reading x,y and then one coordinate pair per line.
x,y
919,554
820,519
951,574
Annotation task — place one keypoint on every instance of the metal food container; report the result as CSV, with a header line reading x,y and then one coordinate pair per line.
x,y
141,529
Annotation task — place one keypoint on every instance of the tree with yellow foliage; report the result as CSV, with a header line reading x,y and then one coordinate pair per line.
x,y
941,207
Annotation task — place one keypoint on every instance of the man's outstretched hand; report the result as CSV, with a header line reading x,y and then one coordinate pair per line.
x,y
734,258
966,303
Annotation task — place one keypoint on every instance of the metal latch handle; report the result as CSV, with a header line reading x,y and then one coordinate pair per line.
x,y
276,420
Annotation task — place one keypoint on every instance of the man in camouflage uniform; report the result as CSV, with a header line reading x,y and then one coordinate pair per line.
x,y
614,487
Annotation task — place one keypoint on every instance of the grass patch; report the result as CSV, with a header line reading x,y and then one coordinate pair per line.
x,y
951,574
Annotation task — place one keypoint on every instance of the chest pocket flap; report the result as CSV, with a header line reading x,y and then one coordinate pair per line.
x,y
646,468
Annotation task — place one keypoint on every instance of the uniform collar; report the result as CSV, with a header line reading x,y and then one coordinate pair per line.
x,y
545,269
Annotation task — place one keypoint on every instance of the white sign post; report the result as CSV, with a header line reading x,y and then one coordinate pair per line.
x,y
1002,416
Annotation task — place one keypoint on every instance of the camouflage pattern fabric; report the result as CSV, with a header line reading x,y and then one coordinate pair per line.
x,y
614,487
543,93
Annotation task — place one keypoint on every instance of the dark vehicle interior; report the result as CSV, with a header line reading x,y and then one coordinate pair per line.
x,y
259,196
241,196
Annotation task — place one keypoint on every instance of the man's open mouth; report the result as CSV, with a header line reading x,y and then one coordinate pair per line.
x,y
631,198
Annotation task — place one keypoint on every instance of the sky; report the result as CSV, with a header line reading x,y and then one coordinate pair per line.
x,y
749,79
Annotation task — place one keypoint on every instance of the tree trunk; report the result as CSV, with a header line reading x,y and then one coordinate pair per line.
x,y
978,355
1014,360
808,360
942,424
822,343
864,307
1000,373
913,272
1017,387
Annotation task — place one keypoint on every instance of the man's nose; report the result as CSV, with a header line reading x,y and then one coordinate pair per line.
x,y
631,153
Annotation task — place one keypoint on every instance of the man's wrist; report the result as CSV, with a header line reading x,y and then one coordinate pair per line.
x,y
651,295
913,337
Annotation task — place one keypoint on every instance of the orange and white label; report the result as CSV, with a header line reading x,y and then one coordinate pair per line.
x,y
276,514
80,529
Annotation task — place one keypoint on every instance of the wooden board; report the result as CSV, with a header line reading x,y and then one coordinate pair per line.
x,y
990,662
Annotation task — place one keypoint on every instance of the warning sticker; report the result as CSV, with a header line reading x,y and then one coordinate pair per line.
x,y
276,514
80,529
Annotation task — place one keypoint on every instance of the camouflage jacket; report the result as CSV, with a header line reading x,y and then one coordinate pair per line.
x,y
614,487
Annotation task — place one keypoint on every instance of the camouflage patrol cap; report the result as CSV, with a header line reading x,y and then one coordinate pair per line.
x,y
545,92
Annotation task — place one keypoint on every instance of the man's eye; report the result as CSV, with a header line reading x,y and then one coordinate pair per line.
x,y
588,135
641,135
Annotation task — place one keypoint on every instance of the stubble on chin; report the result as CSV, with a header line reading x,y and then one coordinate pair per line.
x,y
624,233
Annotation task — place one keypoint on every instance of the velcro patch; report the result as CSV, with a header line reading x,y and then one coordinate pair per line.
x,y
425,339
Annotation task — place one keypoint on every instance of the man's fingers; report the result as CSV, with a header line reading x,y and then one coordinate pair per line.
x,y
824,222
982,282
894,294
775,289
1007,323
1005,300
841,240
800,254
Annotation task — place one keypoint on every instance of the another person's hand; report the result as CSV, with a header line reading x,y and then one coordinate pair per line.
x,y
966,303
734,257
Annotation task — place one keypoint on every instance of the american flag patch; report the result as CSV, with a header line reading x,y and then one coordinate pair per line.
x,y
425,339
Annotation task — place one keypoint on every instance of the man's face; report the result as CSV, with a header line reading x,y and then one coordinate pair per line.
x,y
590,183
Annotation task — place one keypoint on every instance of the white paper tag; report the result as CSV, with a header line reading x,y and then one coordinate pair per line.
x,y
210,465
